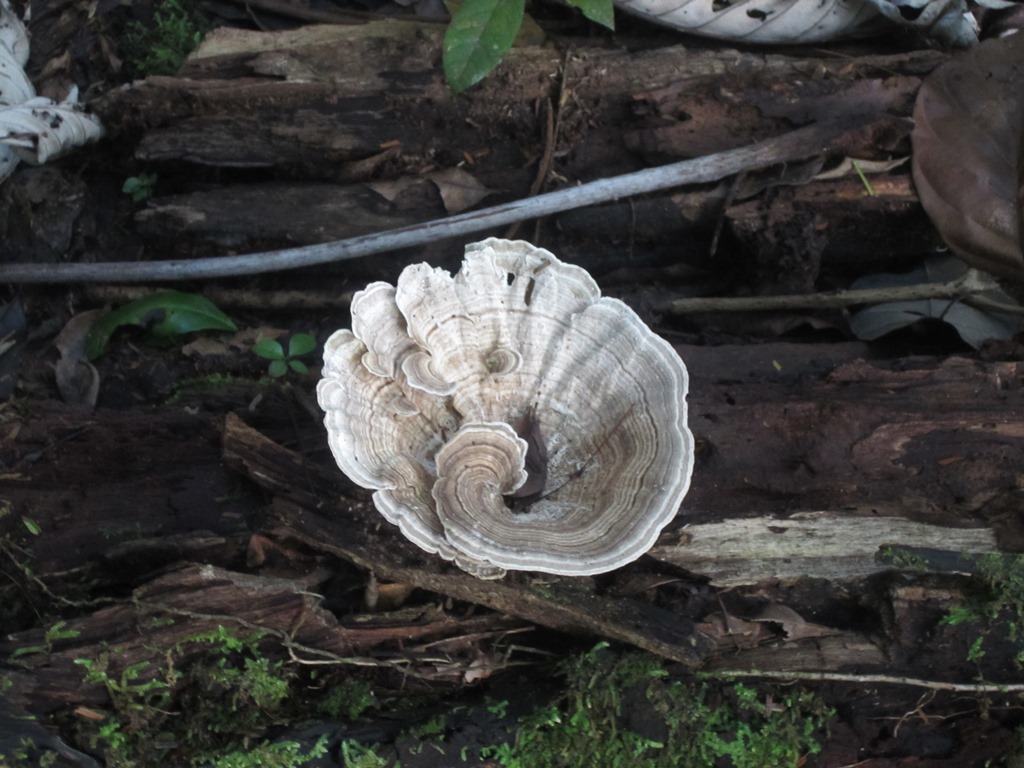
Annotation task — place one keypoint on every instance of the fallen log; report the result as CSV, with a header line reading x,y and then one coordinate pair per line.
x,y
318,112
827,468
827,483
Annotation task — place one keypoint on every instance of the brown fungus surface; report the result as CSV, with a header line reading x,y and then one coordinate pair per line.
x,y
509,416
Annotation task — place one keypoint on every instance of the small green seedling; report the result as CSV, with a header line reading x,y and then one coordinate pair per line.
x,y
481,32
140,187
167,315
280,362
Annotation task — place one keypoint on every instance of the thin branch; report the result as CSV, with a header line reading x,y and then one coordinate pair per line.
x,y
869,679
971,282
235,298
797,144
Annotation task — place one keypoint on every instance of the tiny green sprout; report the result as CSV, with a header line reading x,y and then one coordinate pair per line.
x,y
32,526
497,707
976,653
140,187
864,180
356,755
57,632
280,361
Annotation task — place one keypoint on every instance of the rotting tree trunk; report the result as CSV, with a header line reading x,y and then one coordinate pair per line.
x,y
322,110
799,446
813,464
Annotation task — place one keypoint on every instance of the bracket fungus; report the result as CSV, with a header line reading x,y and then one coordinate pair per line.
x,y
510,417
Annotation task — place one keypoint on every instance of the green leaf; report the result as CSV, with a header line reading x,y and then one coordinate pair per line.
x,y
278,368
140,187
301,344
167,314
268,349
600,11
298,366
478,36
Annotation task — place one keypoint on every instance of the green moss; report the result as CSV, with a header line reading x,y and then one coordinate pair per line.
x,y
998,599
349,700
160,48
684,723
697,728
282,754
29,755
356,755
903,559
213,701
1004,579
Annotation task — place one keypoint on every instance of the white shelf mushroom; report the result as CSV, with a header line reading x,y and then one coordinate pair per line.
x,y
33,128
510,417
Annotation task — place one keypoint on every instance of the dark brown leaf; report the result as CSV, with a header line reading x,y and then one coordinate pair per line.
x,y
77,380
968,122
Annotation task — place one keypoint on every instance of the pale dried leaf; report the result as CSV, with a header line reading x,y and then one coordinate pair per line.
x,y
459,190
392,188
793,624
849,166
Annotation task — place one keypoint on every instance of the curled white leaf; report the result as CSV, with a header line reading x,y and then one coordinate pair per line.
x,y
41,129
13,34
15,86
808,21
33,128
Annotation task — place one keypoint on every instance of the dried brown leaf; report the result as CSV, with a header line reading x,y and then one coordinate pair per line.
x,y
77,379
793,624
731,632
391,189
459,190
968,125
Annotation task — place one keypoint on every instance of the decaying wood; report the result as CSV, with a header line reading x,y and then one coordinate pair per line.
x,y
928,440
334,93
324,109
742,551
816,466
172,609
827,473
569,605
795,144
235,217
